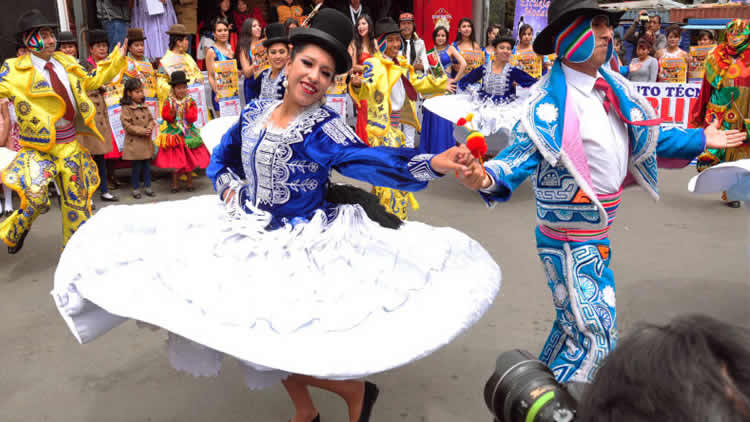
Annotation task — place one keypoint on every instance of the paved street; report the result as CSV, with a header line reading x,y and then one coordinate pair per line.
x,y
681,254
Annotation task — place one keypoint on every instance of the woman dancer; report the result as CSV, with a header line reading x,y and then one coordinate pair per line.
x,y
269,84
281,276
448,54
468,47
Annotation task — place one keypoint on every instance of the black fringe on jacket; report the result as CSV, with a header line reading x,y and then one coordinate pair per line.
x,y
348,194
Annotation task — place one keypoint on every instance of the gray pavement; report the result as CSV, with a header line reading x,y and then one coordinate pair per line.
x,y
681,254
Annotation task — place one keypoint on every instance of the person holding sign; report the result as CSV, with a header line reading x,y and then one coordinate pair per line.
x,y
102,152
468,47
139,68
250,35
725,95
269,84
673,60
585,133
221,51
180,145
390,86
698,55
176,58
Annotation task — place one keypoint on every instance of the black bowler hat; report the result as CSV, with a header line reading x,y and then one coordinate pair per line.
x,y
275,32
66,37
97,36
331,30
385,26
33,19
178,77
561,13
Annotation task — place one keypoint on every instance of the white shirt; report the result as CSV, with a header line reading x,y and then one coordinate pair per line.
x,y
39,64
605,136
398,95
355,13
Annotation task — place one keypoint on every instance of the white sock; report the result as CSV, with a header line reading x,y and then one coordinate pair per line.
x,y
8,198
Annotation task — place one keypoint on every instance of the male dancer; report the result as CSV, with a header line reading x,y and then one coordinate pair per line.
x,y
584,134
49,91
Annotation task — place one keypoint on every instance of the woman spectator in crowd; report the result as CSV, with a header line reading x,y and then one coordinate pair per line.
x,y
448,53
250,37
220,51
243,12
176,58
290,24
154,27
673,51
705,38
220,11
493,31
649,66
66,42
468,47
525,36
362,48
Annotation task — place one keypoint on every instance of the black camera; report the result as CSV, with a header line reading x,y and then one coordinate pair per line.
x,y
523,389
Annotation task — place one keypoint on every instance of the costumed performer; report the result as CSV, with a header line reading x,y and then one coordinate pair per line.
x,y
9,146
49,92
293,274
725,94
495,106
466,45
390,86
583,137
219,51
269,84
362,48
103,154
176,58
180,145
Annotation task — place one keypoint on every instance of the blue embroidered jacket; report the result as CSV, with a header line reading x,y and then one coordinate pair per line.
x,y
286,173
497,86
263,87
537,150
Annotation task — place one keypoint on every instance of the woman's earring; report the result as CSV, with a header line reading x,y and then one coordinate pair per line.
x,y
323,100
285,83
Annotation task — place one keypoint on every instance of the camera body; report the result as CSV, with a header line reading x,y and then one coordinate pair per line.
x,y
522,388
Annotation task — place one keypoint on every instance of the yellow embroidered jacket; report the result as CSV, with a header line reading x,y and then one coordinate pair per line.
x,y
38,107
378,77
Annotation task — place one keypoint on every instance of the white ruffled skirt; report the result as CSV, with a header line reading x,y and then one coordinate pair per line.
x,y
355,297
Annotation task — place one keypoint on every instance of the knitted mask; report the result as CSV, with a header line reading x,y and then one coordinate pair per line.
x,y
576,42
33,40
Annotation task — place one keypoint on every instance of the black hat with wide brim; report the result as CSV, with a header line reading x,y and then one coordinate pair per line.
x,y
96,36
66,37
561,13
275,33
386,26
33,19
331,30
178,77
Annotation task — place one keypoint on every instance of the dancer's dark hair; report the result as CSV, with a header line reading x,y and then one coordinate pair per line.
x,y
348,194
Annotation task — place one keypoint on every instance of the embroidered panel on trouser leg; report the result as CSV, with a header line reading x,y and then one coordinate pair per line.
x,y
395,201
583,292
78,178
29,175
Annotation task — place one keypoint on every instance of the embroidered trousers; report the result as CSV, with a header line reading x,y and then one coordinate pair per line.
x,y
30,174
583,294
394,200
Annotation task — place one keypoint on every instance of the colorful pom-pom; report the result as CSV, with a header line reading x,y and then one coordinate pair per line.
x,y
476,144
470,117
461,122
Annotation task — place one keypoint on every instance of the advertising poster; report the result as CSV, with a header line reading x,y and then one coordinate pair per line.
x,y
531,12
672,70
474,59
260,59
436,67
529,62
697,62
338,103
199,95
227,87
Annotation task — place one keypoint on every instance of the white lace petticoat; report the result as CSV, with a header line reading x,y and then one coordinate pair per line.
x,y
356,297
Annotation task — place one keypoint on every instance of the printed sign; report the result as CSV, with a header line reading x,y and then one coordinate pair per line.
x,y
114,112
531,12
671,101
697,63
338,104
672,70
338,86
474,59
199,95
436,66
529,62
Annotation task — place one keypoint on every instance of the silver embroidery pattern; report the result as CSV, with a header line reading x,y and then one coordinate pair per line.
x,y
252,129
269,88
269,159
495,83
419,167
339,132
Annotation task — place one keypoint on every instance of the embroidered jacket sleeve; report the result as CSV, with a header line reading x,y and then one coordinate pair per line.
x,y
367,86
684,144
335,145
105,71
511,167
6,88
226,160
425,83
472,77
521,78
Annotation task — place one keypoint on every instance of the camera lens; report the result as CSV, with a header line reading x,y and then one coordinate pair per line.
x,y
522,388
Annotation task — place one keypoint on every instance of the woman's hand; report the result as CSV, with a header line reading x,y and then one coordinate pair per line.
x,y
451,86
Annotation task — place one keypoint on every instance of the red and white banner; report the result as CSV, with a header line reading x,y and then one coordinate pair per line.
x,y
672,102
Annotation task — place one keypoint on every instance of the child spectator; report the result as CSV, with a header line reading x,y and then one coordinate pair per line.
x,y
139,124
180,145
67,43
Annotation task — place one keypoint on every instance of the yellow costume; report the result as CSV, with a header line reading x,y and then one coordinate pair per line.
x,y
379,76
46,155
172,62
